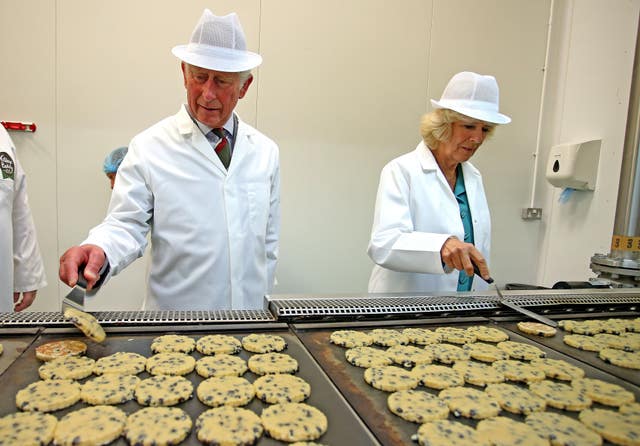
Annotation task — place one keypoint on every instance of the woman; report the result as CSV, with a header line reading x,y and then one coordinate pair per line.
x,y
431,214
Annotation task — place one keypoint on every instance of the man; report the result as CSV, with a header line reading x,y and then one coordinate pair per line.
x,y
21,268
112,163
203,182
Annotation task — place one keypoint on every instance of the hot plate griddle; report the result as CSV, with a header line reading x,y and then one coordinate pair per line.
x,y
345,427
371,404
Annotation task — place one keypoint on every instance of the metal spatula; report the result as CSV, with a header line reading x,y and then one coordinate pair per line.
x,y
506,303
76,296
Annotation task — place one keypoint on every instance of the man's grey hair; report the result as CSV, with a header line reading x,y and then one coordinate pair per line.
x,y
244,75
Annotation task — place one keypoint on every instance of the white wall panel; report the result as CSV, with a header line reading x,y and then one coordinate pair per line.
x,y
591,69
342,91
27,93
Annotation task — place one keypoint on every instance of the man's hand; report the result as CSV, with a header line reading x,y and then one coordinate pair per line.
x,y
461,256
22,302
92,257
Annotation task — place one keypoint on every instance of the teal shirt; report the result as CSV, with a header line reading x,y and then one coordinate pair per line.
x,y
464,281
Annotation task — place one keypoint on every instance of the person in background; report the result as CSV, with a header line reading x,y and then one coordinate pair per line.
x,y
431,222
203,182
21,267
112,162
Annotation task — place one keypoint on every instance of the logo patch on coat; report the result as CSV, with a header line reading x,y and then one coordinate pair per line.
x,y
7,166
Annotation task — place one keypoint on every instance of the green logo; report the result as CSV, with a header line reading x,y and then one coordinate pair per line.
x,y
7,166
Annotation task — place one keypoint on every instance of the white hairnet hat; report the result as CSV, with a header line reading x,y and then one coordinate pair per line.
x,y
218,43
473,95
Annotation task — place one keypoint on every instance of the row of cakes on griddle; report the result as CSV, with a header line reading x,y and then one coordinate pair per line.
x,y
224,389
516,377
615,340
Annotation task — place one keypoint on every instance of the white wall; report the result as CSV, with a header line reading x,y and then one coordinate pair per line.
x,y
342,89
27,93
590,76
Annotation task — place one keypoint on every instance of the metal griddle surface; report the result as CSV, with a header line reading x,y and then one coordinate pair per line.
x,y
344,425
371,404
14,346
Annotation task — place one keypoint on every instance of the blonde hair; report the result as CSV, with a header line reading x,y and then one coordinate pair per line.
x,y
436,126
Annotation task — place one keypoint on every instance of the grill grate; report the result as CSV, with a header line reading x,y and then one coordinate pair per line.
x,y
576,299
381,306
138,317
342,307
389,307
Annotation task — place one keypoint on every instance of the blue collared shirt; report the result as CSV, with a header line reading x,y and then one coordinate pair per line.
x,y
464,281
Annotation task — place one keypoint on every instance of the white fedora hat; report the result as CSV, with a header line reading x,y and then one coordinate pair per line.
x,y
473,95
218,43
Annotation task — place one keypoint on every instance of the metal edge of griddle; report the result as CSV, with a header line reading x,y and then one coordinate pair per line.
x,y
459,319
176,329
199,329
371,403
18,331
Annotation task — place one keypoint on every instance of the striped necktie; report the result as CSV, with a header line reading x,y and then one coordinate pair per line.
x,y
222,148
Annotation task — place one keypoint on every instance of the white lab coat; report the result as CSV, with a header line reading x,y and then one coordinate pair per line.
x,y
21,266
416,212
214,234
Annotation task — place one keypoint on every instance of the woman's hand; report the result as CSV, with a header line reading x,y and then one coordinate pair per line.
x,y
459,255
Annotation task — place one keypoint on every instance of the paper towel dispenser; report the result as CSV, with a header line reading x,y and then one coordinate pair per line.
x,y
574,166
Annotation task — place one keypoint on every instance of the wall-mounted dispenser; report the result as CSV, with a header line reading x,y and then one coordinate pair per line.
x,y
574,166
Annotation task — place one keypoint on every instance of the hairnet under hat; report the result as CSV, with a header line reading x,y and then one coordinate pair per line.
x,y
218,43
113,160
474,95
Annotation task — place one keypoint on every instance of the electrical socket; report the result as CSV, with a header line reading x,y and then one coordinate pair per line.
x,y
532,213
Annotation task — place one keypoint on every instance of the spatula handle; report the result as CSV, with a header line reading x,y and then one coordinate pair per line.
x,y
477,271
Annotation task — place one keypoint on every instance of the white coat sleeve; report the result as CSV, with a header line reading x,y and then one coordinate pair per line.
x,y
273,227
28,274
394,243
123,233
